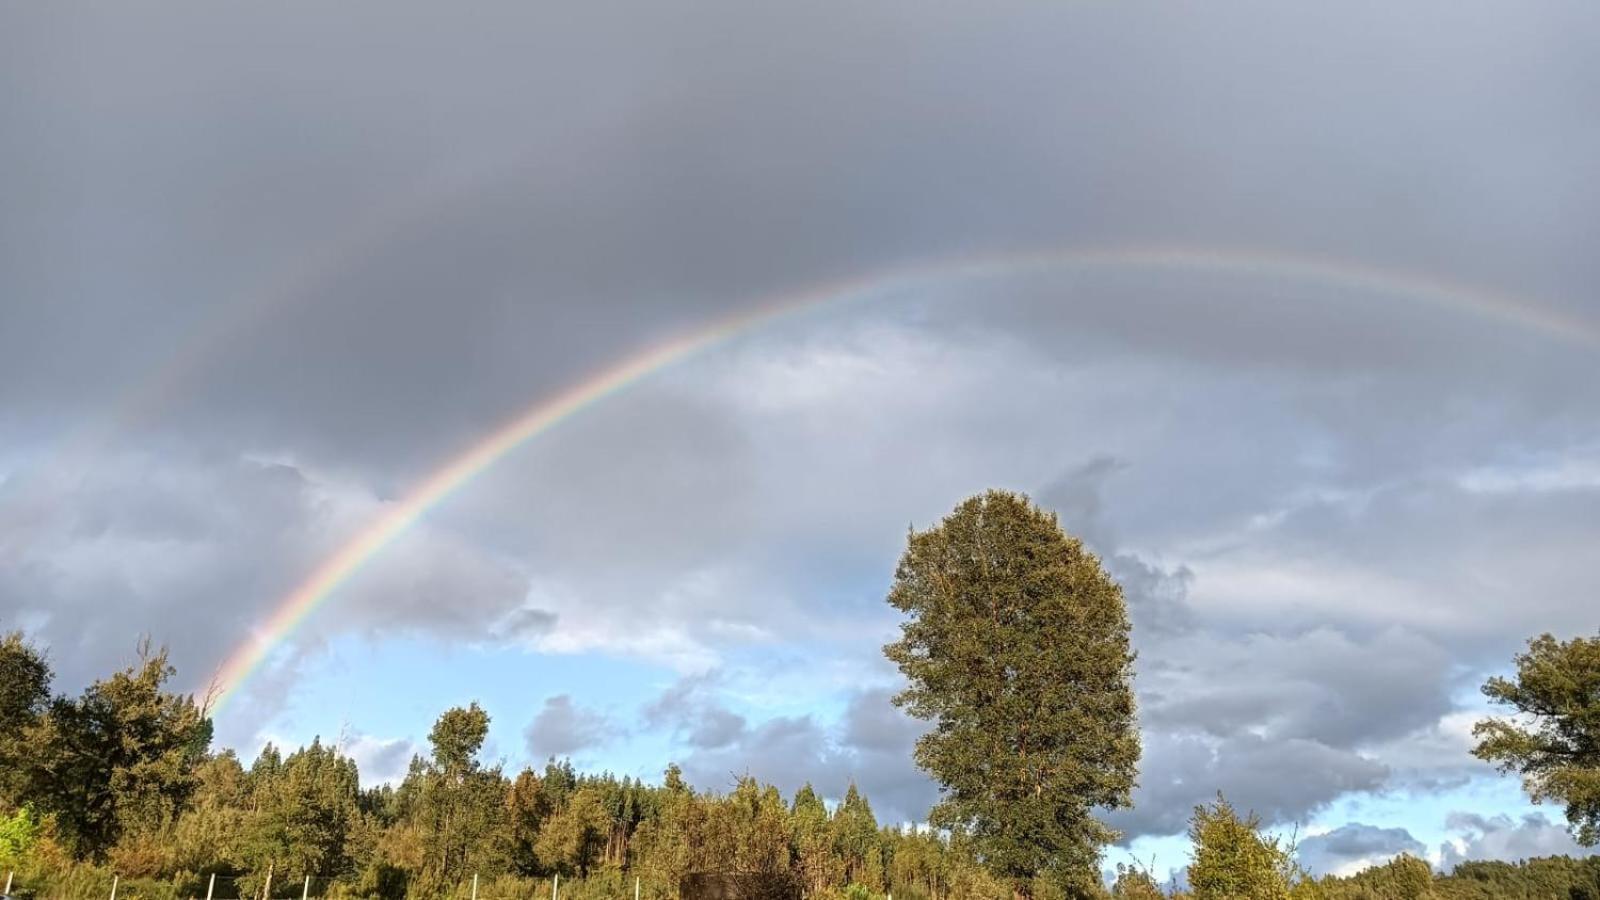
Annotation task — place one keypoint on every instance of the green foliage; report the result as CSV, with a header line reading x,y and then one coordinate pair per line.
x,y
1406,877
1556,878
1555,742
858,891
1403,878
457,737
815,862
119,761
456,803
24,696
1233,860
304,810
91,882
855,839
19,832
573,839
1016,646
1133,883
123,783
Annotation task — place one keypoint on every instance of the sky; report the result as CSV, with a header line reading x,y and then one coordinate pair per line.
x,y
1305,347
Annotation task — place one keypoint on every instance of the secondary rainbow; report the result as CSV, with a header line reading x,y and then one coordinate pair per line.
x,y
549,411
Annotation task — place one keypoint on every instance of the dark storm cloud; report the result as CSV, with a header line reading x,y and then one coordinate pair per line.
x,y
1329,508
1355,845
650,198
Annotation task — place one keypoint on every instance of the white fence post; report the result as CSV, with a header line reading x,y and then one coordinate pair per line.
x,y
306,891
474,886
8,883
635,888
211,885
555,887
114,880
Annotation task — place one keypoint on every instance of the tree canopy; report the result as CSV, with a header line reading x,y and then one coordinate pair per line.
x,y
1016,647
1554,741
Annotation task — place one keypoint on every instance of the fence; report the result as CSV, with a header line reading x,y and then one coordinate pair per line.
x,y
228,887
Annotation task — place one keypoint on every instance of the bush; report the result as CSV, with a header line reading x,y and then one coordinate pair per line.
x,y
19,833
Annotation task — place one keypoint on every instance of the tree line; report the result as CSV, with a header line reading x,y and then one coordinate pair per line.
x,y
122,779
1015,647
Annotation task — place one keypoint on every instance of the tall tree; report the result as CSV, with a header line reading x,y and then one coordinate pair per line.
x,y
527,809
1555,743
459,803
305,811
855,838
121,758
211,832
757,820
24,696
1016,647
573,840
813,843
667,848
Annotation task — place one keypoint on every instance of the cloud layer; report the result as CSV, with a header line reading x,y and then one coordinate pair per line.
x,y
247,305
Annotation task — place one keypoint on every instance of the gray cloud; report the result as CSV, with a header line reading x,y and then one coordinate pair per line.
x,y
1356,846
1283,780
870,747
689,709
195,552
563,728
381,760
246,306
1504,838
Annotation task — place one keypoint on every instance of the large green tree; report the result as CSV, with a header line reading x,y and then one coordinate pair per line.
x,y
1015,646
305,810
1554,741
459,803
24,696
120,759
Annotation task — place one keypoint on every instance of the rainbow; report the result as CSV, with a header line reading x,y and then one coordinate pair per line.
x,y
548,412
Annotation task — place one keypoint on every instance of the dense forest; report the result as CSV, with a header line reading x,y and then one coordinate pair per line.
x,y
121,781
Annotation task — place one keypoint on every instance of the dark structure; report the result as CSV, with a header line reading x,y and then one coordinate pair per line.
x,y
739,886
